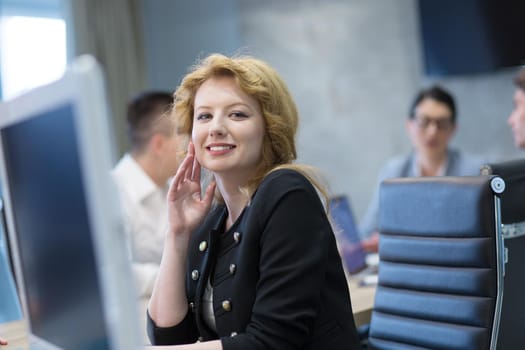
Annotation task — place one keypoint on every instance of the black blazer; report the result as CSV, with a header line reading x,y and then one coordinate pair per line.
x,y
277,277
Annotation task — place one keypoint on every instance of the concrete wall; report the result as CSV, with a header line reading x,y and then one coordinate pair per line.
x,y
177,32
353,67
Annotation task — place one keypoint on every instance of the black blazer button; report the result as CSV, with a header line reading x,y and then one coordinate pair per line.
x,y
203,245
233,267
195,275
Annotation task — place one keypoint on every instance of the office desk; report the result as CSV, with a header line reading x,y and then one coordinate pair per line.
x,y
16,334
362,302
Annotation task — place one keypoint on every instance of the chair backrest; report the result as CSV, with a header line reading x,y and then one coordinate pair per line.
x,y
440,270
512,334
513,199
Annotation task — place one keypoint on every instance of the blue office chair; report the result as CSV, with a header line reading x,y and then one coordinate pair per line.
x,y
512,331
441,264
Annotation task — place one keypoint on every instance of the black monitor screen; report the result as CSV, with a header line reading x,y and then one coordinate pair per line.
x,y
471,36
52,225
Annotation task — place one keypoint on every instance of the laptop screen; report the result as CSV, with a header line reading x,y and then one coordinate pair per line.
x,y
347,234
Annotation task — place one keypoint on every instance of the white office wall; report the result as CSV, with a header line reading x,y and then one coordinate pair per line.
x,y
353,67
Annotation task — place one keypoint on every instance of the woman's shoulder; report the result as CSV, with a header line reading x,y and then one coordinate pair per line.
x,y
284,179
280,183
286,189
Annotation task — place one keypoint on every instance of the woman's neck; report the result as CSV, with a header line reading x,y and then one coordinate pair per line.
x,y
234,198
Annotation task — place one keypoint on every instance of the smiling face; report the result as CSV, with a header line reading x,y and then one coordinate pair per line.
x,y
267,111
517,118
431,128
228,129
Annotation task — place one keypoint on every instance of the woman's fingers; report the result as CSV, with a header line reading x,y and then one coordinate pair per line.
x,y
181,173
194,175
190,155
188,169
191,148
179,176
186,164
196,170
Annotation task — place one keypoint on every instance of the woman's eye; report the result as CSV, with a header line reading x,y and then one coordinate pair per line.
x,y
204,116
239,115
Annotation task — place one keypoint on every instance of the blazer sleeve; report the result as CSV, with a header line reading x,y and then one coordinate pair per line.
x,y
183,333
293,255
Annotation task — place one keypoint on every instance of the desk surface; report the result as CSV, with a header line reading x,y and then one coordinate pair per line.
x,y
362,302
16,334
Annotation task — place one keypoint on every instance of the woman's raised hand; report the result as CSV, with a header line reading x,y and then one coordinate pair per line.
x,y
186,206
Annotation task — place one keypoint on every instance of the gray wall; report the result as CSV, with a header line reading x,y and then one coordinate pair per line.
x,y
353,67
177,32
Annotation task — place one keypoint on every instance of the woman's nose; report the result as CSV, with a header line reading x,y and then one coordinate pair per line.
x,y
217,127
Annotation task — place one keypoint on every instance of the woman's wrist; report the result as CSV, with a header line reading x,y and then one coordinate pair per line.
x,y
177,242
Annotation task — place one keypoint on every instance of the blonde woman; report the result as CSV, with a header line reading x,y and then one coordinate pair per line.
x,y
257,267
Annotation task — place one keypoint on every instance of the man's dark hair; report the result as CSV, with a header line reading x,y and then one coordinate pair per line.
x,y
437,93
147,114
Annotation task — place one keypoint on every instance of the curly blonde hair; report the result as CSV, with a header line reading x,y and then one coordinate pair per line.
x,y
257,79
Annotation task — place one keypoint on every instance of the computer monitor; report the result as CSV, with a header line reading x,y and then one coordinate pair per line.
x,y
5,247
9,303
63,219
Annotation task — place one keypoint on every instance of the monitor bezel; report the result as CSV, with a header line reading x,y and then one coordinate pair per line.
x,y
83,86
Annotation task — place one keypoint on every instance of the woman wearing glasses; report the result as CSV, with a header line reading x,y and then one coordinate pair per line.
x,y
430,125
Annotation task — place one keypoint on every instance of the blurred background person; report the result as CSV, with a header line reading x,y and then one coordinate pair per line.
x,y
142,177
516,119
431,124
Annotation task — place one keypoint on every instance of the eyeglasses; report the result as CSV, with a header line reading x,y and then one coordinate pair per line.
x,y
442,124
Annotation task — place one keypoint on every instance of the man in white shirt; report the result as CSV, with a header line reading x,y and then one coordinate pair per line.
x,y
142,177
